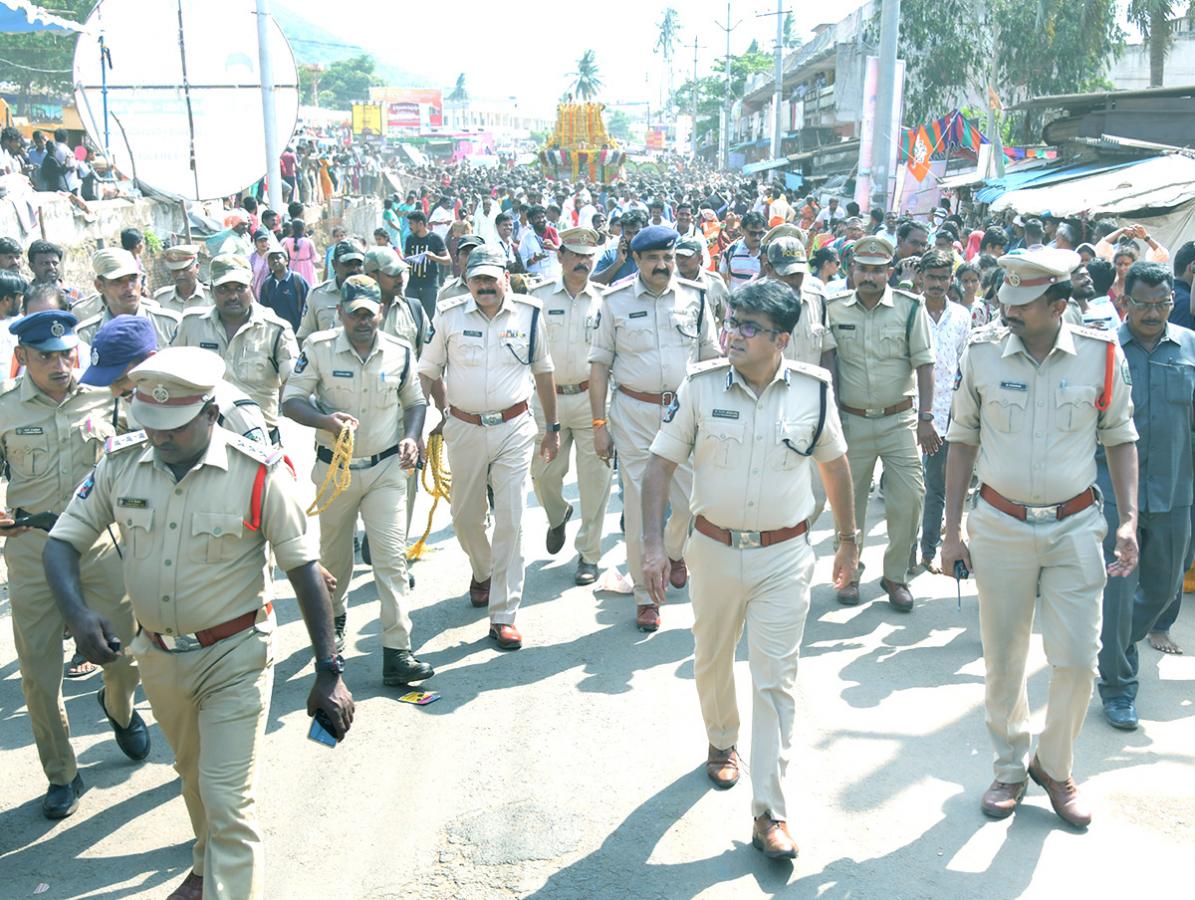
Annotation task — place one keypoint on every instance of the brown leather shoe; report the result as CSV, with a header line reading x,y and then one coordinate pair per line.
x,y
1001,799
772,837
479,592
722,766
679,576
190,889
849,595
647,618
507,636
898,595
1064,796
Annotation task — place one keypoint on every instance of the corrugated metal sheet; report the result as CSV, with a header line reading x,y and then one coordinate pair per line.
x,y
1159,183
998,187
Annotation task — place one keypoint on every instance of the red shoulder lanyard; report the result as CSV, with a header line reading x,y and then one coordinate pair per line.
x,y
1105,399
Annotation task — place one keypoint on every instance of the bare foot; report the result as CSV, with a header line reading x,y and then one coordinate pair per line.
x,y
927,563
1160,640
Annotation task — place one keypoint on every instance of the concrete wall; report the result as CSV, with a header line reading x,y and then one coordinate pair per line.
x,y
1131,71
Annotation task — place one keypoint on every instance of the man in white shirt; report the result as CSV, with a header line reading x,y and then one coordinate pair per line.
x,y
831,213
537,254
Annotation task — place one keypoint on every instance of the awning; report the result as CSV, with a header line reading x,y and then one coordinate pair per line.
x,y
22,17
1160,182
764,165
967,179
1012,181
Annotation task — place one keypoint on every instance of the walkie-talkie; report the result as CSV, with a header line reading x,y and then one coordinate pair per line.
x,y
961,574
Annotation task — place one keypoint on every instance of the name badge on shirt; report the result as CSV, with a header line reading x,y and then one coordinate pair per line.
x,y
844,327
341,373
726,413
472,334
638,315
31,429
1013,386
556,312
132,502
208,345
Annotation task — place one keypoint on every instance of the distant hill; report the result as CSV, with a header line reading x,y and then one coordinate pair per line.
x,y
314,44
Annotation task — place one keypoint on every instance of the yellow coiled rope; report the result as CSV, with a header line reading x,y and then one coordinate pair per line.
x,y
338,476
440,487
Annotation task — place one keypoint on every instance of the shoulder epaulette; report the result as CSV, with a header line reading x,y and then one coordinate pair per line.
x,y
841,295
454,302
9,384
528,299
319,337
1098,334
709,365
324,284
908,295
987,334
163,291
696,285
196,311
267,456
124,442
620,284
165,313
806,369
91,320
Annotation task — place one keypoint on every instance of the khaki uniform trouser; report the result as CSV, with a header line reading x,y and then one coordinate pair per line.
x,y
633,425
499,455
593,475
1016,563
766,588
377,494
212,705
37,631
892,439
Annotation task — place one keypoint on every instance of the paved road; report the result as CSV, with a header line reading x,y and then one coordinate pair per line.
x,y
573,768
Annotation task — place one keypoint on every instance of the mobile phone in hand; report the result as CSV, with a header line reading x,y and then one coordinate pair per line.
x,y
321,730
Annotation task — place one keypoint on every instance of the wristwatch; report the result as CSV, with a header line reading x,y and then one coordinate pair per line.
x,y
849,537
554,426
333,664
925,417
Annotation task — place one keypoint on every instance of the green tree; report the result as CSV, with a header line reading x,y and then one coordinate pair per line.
x,y
348,80
41,63
789,37
459,92
1153,19
666,38
586,80
743,67
618,125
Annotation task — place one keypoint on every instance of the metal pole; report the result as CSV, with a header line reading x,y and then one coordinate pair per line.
x,y
885,124
273,151
776,96
693,98
724,131
105,63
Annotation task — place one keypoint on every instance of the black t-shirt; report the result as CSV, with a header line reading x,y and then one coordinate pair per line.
x,y
426,273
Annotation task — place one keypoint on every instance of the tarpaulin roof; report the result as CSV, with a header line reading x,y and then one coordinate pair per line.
x,y
764,165
1160,182
997,187
21,17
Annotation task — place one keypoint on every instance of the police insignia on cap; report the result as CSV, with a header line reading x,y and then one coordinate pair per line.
x,y
1012,278
57,330
95,357
160,394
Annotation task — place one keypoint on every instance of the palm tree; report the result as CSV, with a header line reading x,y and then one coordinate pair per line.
x,y
586,82
459,92
1153,18
669,29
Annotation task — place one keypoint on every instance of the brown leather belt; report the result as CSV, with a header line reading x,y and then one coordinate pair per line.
x,y
904,404
572,388
744,540
1057,513
494,418
181,643
664,399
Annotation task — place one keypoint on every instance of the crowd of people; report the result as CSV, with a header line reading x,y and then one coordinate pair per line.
x,y
728,359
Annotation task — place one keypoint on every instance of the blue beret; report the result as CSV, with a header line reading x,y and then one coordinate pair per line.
x,y
49,330
654,237
119,342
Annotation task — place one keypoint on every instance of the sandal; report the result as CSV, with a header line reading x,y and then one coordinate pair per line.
x,y
80,667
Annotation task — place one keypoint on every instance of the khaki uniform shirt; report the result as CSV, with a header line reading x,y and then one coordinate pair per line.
x,y
453,287
87,307
259,357
876,361
399,322
489,361
165,322
648,341
374,391
1036,424
570,325
717,294
168,298
749,468
50,447
320,314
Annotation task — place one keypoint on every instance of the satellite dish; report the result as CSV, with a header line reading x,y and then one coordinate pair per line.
x,y
171,90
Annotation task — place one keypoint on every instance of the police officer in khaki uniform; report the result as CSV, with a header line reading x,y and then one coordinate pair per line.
x,y
751,424
652,327
787,263
196,506
186,292
118,280
255,343
365,380
1031,401
323,302
688,266
881,338
52,430
571,306
456,286
488,343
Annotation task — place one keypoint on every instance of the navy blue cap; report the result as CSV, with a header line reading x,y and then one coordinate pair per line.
x,y
654,237
47,331
119,342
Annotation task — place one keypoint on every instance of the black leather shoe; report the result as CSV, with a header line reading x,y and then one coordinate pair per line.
x,y
401,667
133,740
1121,713
62,799
338,622
410,581
587,573
555,538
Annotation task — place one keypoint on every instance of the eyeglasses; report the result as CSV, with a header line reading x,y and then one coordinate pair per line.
x,y
746,329
754,233
1163,305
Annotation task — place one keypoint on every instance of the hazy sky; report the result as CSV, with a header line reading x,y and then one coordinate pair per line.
x,y
528,49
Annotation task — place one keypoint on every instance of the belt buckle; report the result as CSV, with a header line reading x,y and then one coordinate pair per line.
x,y
570,389
873,413
362,462
1036,514
180,643
491,418
746,540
